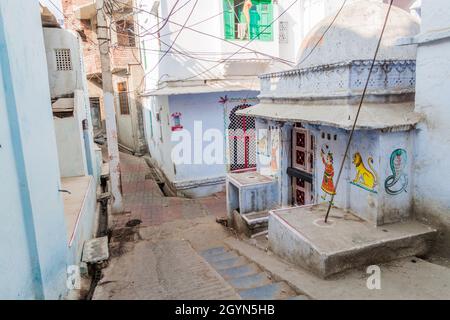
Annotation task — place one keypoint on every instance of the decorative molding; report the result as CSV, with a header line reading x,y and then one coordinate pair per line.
x,y
343,79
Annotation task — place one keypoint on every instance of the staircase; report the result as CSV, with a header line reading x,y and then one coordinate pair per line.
x,y
249,281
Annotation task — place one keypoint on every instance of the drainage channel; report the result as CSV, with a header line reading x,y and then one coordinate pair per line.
x,y
96,269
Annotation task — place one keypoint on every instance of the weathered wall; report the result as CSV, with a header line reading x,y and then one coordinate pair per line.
x,y
34,235
62,82
87,225
369,199
204,108
70,142
431,174
158,134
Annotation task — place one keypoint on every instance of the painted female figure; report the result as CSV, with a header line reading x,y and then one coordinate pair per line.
x,y
327,182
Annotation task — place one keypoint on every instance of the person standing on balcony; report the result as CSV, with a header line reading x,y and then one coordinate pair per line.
x,y
246,11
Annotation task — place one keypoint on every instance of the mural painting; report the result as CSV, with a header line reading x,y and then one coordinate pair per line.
x,y
398,181
263,143
275,140
328,174
365,178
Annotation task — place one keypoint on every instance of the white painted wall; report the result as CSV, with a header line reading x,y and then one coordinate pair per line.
x,y
301,18
70,142
431,194
63,82
55,7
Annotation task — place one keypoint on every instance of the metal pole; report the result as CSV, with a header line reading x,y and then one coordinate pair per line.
x,y
110,114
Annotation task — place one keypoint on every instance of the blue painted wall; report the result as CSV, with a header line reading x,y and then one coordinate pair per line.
x,y
33,239
205,108
193,107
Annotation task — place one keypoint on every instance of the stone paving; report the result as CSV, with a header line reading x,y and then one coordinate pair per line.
x,y
167,269
144,200
158,258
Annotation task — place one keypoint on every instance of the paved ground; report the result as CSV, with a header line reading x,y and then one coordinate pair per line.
x,y
180,252
407,278
177,251
144,200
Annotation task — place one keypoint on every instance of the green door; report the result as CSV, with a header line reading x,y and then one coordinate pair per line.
x,y
263,16
228,15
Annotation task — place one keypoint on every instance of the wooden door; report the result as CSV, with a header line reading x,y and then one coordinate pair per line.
x,y
303,161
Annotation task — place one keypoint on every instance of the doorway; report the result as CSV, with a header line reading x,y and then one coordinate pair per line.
x,y
302,166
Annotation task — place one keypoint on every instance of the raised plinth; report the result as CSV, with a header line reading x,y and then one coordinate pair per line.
x,y
300,236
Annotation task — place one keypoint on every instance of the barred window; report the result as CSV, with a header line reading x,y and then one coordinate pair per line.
x,y
63,60
123,98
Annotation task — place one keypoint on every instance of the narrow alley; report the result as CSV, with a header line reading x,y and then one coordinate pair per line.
x,y
224,150
173,248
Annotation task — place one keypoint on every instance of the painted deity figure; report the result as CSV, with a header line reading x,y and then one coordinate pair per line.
x,y
328,174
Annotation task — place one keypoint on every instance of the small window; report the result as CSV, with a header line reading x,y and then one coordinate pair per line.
x,y
63,60
123,98
125,33
283,33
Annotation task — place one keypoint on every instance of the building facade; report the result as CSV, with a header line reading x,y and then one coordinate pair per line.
x,y
201,67
80,16
50,164
308,152
432,96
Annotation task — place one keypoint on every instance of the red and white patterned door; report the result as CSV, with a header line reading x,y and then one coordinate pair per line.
x,y
302,160
242,141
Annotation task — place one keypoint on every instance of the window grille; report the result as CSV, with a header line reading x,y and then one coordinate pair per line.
x,y
283,32
63,60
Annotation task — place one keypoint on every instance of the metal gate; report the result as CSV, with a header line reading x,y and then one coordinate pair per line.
x,y
242,141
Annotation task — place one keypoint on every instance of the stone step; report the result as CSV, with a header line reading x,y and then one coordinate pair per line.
x,y
241,271
212,252
251,223
254,219
250,281
274,291
221,256
229,263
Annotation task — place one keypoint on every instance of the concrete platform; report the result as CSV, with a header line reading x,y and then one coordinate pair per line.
x,y
300,236
404,279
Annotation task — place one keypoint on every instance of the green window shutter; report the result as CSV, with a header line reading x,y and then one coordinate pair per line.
x,y
228,15
255,19
264,10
